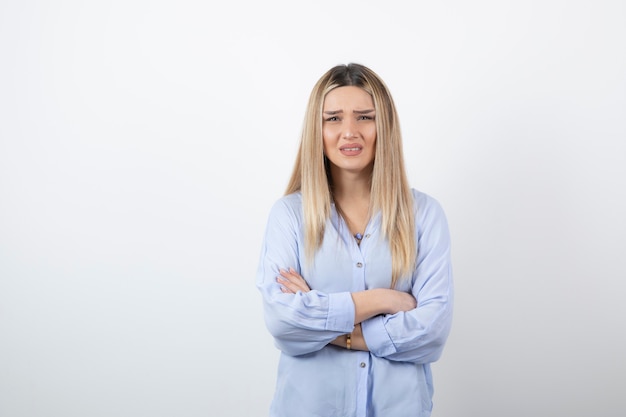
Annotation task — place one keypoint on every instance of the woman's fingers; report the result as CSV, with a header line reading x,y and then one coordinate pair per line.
x,y
291,281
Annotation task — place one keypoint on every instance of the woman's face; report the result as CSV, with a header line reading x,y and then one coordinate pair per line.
x,y
349,128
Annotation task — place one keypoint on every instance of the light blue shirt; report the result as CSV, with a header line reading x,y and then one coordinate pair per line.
x,y
316,379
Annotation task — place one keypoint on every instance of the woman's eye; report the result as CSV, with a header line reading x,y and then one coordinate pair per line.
x,y
331,119
364,117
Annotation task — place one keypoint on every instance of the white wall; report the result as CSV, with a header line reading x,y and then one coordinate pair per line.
x,y
143,142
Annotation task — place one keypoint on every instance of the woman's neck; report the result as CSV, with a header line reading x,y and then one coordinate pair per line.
x,y
351,194
351,188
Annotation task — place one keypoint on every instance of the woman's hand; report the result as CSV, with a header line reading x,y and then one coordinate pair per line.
x,y
291,282
400,301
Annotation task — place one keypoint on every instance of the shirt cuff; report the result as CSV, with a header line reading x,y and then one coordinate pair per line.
x,y
376,337
340,312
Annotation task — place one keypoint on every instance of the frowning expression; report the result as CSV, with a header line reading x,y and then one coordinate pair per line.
x,y
349,129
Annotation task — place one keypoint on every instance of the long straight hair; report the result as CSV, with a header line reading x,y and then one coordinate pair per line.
x,y
390,191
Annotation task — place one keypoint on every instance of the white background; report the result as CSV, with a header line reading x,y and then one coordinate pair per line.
x,y
142,144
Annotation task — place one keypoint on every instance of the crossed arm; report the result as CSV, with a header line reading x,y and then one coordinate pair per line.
x,y
367,304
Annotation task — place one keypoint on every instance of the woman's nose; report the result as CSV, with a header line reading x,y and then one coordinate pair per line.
x,y
349,129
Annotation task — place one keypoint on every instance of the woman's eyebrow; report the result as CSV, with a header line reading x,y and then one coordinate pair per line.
x,y
355,111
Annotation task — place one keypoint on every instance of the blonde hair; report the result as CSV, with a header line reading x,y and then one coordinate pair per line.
x,y
390,191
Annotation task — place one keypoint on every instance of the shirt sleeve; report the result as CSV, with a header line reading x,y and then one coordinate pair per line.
x,y
300,323
419,335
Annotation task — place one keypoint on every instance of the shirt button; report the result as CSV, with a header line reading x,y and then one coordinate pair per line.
x,y
362,364
367,235
359,265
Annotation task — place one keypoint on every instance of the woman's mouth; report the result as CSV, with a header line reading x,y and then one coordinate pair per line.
x,y
351,150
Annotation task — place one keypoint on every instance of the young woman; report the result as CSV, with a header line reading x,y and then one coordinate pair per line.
x,y
355,267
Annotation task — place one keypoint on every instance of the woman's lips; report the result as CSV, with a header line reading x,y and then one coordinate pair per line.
x,y
351,149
